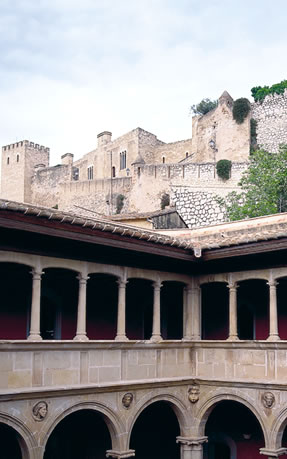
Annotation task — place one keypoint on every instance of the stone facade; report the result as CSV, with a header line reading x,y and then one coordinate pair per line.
x,y
271,117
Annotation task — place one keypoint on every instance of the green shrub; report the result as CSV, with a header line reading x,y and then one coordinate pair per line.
x,y
259,93
205,106
253,136
119,203
241,108
223,168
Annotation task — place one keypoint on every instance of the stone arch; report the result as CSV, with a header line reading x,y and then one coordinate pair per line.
x,y
175,403
26,438
113,423
207,407
277,429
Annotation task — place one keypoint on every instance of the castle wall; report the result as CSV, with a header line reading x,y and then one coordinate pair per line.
x,y
217,136
173,152
46,184
94,195
271,117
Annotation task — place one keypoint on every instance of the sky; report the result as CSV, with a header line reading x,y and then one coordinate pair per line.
x,y
70,69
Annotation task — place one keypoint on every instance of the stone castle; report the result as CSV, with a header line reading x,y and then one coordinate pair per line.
x,y
132,173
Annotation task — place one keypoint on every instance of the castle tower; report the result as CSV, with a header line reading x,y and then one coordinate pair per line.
x,y
18,163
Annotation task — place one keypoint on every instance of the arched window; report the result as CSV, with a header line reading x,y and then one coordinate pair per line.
x,y
123,159
186,154
163,159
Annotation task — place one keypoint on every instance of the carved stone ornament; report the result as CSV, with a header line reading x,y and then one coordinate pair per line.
x,y
268,399
193,394
127,400
40,411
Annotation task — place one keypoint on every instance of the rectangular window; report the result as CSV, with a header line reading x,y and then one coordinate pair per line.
x,y
90,172
123,159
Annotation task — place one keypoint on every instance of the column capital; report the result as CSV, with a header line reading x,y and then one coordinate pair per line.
x,y
122,282
192,441
120,454
157,285
82,278
273,452
37,274
272,283
232,285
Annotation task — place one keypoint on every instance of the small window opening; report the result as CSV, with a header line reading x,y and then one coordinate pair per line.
x,y
8,160
90,172
123,160
113,171
163,159
186,154
17,158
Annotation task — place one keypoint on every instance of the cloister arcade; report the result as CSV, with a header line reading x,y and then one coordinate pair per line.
x,y
54,301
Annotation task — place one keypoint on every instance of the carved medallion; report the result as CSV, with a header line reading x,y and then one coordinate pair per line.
x,y
40,411
127,400
193,394
268,399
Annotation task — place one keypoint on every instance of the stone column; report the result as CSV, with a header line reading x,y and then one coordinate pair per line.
x,y
195,312
81,334
233,334
187,314
191,448
273,316
34,334
156,334
121,325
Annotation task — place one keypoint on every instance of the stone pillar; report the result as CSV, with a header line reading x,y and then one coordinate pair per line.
x,y
81,334
121,325
187,314
156,334
35,307
195,312
233,334
273,316
191,448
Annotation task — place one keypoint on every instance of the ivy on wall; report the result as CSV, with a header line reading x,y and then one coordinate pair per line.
x,y
119,203
223,168
259,93
241,109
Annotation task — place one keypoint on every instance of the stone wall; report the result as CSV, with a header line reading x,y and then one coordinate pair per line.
x,y
46,184
271,117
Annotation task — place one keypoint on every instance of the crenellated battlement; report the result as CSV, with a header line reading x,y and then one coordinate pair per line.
x,y
25,144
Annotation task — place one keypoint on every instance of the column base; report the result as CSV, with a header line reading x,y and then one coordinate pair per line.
x,y
34,337
232,338
273,338
156,339
121,338
273,452
120,454
81,337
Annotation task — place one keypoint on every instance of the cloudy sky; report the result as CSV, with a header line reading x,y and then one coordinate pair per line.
x,y
70,69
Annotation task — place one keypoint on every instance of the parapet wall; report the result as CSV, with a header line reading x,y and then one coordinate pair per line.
x,y
271,117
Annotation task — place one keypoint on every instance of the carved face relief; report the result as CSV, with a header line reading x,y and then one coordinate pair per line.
x,y
193,394
40,411
268,399
127,400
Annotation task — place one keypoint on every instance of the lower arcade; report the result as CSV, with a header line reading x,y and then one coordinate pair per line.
x,y
117,342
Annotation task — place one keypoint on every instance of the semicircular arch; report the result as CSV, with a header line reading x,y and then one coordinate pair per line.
x,y
113,423
208,406
27,440
175,403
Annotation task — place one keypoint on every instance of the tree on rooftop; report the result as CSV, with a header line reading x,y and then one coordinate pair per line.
x,y
263,185
205,106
